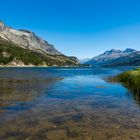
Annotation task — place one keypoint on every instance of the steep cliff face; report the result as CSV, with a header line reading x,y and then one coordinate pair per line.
x,y
27,48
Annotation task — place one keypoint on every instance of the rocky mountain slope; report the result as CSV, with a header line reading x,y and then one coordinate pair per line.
x,y
14,43
116,57
132,59
26,39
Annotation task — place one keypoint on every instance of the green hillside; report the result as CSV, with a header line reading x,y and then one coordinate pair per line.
x,y
10,52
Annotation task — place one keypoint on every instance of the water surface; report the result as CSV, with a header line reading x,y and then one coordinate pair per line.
x,y
66,104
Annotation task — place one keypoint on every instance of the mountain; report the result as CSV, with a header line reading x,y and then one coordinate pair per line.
x,y
29,44
132,59
26,39
74,58
83,61
115,57
129,50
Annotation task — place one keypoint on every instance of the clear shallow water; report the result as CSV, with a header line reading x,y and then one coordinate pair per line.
x,y
66,104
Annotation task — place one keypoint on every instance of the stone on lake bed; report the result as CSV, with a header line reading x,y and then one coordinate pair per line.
x,y
101,87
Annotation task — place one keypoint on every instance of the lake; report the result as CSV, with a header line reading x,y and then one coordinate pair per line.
x,y
66,104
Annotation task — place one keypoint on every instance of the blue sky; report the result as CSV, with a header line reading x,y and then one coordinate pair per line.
x,y
83,28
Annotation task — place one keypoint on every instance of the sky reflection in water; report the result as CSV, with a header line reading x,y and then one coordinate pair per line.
x,y
66,104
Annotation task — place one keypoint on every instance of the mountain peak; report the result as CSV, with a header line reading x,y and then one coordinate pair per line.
x,y
26,31
1,22
129,50
2,25
113,51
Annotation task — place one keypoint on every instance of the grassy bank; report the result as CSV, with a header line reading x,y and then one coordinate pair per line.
x,y
131,79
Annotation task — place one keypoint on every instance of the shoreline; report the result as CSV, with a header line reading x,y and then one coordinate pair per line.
x,y
41,66
22,66
131,80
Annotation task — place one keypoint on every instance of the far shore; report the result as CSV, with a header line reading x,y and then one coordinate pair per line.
x,y
29,66
45,66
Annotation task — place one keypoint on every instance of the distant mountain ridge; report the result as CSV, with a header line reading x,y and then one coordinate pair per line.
x,y
132,59
32,49
83,61
116,57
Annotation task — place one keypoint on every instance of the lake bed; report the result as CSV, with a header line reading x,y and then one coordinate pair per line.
x,y
66,104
